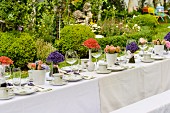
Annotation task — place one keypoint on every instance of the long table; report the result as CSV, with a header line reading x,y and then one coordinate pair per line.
x,y
105,93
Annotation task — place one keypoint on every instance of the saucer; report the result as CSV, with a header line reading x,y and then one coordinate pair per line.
x,y
103,72
116,68
7,98
147,61
58,84
25,90
73,78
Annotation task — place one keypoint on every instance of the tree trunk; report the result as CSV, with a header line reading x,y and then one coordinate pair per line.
x,y
130,6
164,4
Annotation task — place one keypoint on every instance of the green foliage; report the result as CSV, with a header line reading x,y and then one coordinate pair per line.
x,y
43,49
145,20
72,37
112,40
19,47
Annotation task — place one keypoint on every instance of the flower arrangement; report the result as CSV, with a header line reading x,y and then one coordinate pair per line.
x,y
167,37
91,43
132,47
38,65
167,44
158,42
142,41
111,49
5,60
55,57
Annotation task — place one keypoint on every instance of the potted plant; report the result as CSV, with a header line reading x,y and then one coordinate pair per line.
x,y
38,72
159,46
131,48
111,54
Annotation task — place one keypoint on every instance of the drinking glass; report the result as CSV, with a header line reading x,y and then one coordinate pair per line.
x,y
96,53
71,57
7,71
16,73
142,45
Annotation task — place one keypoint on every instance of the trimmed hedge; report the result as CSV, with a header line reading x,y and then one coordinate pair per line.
x,y
72,37
145,20
19,47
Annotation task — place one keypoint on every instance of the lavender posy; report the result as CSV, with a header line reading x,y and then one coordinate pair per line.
x,y
132,47
55,57
167,37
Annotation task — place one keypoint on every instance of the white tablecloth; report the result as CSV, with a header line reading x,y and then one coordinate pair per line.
x,y
156,104
77,97
104,94
120,89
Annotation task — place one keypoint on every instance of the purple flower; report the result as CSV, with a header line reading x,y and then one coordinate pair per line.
x,y
167,37
55,57
132,47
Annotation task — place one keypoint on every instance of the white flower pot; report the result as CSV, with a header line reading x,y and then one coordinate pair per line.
x,y
159,49
38,77
111,59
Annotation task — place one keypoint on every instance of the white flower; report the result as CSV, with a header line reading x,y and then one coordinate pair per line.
x,y
117,26
126,25
94,25
135,25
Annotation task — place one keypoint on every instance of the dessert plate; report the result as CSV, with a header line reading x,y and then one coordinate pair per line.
x,y
116,68
147,61
58,84
73,78
25,90
8,97
158,57
103,72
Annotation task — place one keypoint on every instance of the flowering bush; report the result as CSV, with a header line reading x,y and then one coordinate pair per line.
x,y
111,49
158,42
55,57
132,47
91,43
167,37
5,60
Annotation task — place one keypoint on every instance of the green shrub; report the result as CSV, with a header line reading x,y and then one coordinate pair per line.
x,y
112,40
19,47
72,37
145,20
43,49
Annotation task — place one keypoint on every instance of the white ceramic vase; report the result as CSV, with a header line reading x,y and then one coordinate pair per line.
x,y
159,49
90,64
38,77
111,59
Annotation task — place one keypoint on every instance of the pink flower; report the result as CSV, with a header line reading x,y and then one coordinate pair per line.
x,y
167,43
142,41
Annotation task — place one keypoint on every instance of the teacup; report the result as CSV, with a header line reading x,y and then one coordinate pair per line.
x,y
146,56
102,66
84,63
58,78
5,92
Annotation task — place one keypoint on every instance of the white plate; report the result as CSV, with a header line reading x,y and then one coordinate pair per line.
x,y
158,57
7,98
58,84
103,72
73,78
147,61
74,67
116,68
25,90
